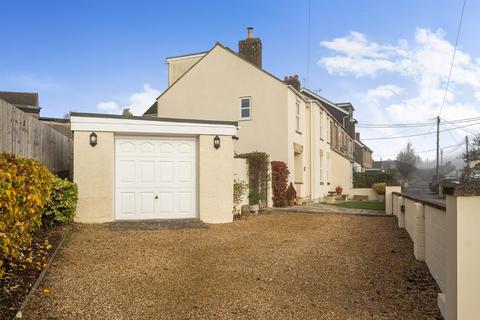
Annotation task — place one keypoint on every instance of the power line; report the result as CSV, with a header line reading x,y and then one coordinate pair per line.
x,y
453,58
414,124
466,130
458,145
420,134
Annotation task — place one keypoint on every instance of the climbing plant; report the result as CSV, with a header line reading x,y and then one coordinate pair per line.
x,y
258,173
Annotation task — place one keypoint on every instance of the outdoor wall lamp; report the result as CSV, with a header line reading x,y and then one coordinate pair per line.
x,y
93,139
216,142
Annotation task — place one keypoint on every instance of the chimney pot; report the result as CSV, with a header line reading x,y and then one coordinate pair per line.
x,y
293,81
249,32
357,135
250,49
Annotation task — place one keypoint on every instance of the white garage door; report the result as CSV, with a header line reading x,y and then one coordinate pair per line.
x,y
155,178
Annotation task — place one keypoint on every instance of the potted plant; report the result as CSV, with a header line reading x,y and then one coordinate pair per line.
x,y
291,194
338,190
254,201
239,190
380,189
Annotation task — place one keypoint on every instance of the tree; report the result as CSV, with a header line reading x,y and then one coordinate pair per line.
x,y
406,161
471,159
126,112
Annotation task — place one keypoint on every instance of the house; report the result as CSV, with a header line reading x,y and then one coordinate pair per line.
x,y
25,101
363,154
177,160
312,135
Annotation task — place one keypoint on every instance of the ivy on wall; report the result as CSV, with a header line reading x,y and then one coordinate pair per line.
x,y
258,172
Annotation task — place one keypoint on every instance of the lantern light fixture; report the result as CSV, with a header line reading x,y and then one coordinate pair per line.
x,y
93,139
216,142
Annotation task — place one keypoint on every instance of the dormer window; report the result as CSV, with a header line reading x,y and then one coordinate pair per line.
x,y
245,108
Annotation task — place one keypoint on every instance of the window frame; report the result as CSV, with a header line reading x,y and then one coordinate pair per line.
x,y
297,116
249,98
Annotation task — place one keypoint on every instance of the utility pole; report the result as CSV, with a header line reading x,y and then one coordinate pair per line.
x,y
437,173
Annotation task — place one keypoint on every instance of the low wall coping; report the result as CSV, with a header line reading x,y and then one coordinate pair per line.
x,y
463,190
422,201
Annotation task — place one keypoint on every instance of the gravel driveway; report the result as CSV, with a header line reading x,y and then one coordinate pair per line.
x,y
277,265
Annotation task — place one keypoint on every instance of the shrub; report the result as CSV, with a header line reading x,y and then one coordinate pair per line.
x,y
367,179
25,187
279,183
62,203
379,187
338,190
291,193
254,197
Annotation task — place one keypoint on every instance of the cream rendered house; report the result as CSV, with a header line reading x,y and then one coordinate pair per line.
x,y
273,115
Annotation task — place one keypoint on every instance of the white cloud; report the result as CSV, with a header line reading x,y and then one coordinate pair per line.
x,y
109,106
384,92
138,102
422,66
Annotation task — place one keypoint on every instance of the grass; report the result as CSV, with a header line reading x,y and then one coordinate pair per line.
x,y
367,205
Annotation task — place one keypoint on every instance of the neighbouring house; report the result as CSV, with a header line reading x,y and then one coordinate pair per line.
x,y
314,136
25,101
363,154
383,165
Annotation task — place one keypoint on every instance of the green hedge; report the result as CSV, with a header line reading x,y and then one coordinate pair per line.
x,y
368,179
62,204
29,195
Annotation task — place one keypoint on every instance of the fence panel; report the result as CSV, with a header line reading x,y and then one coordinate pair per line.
x,y
27,136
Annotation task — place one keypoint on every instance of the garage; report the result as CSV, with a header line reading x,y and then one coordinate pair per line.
x,y
155,178
143,168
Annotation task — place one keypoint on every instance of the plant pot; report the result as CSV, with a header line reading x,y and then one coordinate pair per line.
x,y
381,197
291,203
330,199
253,208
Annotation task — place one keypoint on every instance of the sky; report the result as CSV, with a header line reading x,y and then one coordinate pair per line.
x,y
390,59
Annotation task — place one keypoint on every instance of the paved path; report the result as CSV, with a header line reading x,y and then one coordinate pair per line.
x,y
322,208
277,265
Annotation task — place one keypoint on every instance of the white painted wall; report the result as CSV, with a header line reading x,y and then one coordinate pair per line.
x,y
240,173
435,243
372,194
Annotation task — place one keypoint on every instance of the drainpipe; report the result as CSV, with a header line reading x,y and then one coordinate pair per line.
x,y
312,146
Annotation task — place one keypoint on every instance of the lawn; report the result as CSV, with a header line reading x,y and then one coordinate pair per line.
x,y
367,205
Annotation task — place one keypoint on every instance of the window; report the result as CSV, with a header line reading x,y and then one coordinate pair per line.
x,y
321,125
321,166
329,131
245,109
297,116
327,167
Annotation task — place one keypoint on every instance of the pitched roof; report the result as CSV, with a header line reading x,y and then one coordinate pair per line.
x,y
20,98
218,44
153,110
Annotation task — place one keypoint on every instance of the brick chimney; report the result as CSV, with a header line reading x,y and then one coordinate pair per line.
x,y
251,48
294,81
357,136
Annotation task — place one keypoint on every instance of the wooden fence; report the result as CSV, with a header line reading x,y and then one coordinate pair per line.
x,y
26,136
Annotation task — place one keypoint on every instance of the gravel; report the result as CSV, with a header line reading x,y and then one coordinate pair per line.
x,y
276,265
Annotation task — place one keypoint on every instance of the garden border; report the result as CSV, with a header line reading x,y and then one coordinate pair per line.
x,y
18,314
